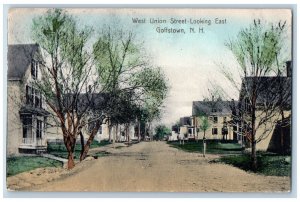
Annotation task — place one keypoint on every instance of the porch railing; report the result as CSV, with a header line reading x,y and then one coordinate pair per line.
x,y
32,141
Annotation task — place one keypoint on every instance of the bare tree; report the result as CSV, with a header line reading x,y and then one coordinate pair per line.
x,y
258,50
67,80
86,88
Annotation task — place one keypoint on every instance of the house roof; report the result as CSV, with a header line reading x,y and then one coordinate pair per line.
x,y
270,90
185,120
28,109
218,107
94,101
19,58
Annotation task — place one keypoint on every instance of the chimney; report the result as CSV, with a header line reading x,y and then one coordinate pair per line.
x,y
289,68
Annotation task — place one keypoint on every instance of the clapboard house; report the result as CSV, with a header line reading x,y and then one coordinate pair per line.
x,y
26,113
272,110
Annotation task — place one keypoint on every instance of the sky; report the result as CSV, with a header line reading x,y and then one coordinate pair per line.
x,y
191,61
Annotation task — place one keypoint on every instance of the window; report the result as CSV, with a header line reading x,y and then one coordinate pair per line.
x,y
224,130
29,95
213,109
235,128
39,129
224,119
100,129
34,69
33,97
215,119
37,99
214,131
247,105
27,126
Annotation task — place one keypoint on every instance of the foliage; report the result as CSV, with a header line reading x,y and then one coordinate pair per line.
x,y
59,149
135,86
16,165
204,123
67,78
161,131
84,86
258,51
213,147
267,164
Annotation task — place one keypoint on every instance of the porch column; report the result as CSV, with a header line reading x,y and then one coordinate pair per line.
x,y
34,128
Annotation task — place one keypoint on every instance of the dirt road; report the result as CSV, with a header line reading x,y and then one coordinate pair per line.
x,y
154,166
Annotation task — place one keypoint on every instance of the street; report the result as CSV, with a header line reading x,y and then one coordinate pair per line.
x,y
156,167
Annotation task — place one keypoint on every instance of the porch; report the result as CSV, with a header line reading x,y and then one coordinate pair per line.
x,y
33,146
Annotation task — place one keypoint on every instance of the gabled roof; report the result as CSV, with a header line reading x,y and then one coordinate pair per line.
x,y
185,121
271,90
94,101
218,107
19,58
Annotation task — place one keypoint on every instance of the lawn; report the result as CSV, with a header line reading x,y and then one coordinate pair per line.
x,y
268,163
213,147
61,151
15,165
232,153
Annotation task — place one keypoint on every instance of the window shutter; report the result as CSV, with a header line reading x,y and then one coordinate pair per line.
x,y
41,100
27,94
36,69
32,68
32,96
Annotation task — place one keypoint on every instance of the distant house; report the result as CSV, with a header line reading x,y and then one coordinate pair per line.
x,y
26,113
96,102
186,129
219,114
274,101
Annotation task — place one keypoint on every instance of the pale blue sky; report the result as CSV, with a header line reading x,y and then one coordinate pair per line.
x,y
190,61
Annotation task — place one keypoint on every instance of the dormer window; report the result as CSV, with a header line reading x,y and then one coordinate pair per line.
x,y
34,69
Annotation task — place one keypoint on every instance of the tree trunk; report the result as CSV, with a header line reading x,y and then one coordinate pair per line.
x,y
281,133
139,131
253,156
81,142
70,145
127,133
90,140
71,163
196,131
204,145
253,131
109,132
115,135
145,131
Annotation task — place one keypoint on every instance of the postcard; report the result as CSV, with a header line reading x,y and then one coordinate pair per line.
x,y
149,100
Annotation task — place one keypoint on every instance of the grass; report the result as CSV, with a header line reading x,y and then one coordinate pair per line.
x,y
267,163
15,165
61,151
270,164
213,147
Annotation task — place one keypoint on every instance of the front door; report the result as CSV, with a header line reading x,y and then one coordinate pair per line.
x,y
27,130
39,132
